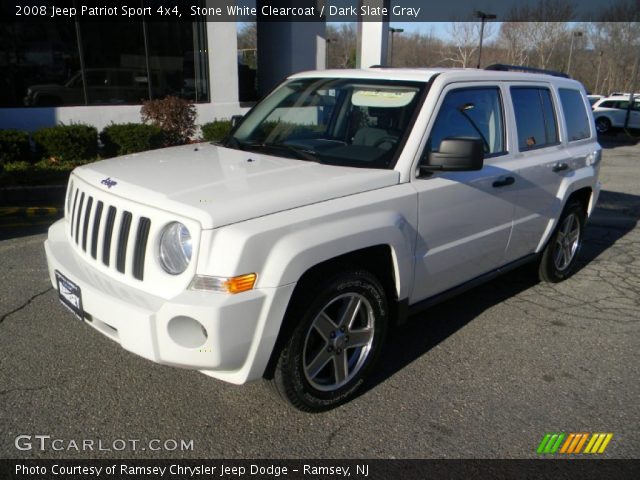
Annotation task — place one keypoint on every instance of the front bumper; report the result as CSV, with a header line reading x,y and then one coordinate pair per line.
x,y
236,333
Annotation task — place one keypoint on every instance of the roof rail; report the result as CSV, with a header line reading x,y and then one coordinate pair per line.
x,y
519,68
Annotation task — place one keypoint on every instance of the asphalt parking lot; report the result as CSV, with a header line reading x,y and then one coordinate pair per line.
x,y
484,375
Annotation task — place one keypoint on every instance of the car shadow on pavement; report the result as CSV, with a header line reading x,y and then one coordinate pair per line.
x,y
615,216
428,329
19,231
619,139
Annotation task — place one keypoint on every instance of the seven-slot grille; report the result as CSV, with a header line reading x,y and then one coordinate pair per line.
x,y
89,214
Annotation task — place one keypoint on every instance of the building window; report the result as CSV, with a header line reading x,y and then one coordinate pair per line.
x,y
40,62
102,63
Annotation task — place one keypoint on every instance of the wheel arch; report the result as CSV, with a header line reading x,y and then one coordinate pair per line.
x,y
583,196
378,259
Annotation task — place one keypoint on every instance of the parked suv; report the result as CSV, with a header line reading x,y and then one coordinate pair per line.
x,y
341,203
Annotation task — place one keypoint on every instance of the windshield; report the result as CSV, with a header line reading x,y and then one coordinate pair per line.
x,y
349,122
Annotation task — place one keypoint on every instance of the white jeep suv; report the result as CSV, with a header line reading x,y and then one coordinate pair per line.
x,y
343,202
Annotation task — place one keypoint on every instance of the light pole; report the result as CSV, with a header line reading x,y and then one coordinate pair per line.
x,y
483,18
392,31
573,35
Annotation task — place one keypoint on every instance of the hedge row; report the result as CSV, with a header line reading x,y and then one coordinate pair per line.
x,y
60,144
14,145
216,131
121,139
77,143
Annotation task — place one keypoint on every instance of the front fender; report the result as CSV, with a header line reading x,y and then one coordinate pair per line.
x,y
299,251
281,247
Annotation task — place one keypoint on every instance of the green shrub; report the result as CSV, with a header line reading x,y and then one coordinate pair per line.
x,y
121,139
67,143
17,166
14,146
216,130
44,172
175,116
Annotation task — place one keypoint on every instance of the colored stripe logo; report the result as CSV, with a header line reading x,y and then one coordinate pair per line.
x,y
574,443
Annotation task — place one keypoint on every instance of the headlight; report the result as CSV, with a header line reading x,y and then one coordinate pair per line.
x,y
175,248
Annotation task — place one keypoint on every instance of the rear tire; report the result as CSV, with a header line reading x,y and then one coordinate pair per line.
x,y
339,329
559,258
603,125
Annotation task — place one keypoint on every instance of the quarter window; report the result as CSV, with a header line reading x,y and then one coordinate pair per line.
x,y
471,113
575,114
535,117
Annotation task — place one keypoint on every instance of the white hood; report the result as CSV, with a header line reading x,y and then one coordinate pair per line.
x,y
219,186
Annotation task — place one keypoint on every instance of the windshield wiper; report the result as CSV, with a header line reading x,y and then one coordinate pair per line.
x,y
230,142
301,153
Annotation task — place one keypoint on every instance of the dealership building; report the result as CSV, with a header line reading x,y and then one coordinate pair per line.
x,y
99,72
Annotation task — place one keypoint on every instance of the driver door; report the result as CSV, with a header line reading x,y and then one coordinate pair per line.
x,y
465,218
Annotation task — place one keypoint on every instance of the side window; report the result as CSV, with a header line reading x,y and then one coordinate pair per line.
x,y
535,117
470,113
575,114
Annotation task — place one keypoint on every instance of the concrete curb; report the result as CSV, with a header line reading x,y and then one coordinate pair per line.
x,y
37,195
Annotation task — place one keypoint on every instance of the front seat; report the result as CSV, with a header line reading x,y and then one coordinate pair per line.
x,y
369,136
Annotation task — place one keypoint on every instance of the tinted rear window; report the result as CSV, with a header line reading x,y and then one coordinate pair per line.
x,y
535,117
575,114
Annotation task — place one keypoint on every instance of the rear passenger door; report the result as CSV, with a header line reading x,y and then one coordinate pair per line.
x,y
542,162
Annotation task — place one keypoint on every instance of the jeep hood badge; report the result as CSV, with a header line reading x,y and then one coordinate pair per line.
x,y
108,182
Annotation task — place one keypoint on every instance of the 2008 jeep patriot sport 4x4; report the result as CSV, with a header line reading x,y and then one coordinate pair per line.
x,y
340,203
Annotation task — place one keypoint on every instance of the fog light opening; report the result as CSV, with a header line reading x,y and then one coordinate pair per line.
x,y
187,332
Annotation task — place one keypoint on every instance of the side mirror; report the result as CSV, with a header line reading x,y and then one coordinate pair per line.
x,y
235,120
455,155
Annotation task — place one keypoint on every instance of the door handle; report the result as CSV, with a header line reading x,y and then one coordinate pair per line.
x,y
560,166
503,182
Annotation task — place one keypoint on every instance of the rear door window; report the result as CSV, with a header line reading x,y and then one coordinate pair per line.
x,y
575,114
535,117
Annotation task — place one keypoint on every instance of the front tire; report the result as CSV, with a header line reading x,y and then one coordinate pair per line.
x,y
560,255
340,326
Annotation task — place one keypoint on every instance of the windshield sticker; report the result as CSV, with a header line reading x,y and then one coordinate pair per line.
x,y
382,98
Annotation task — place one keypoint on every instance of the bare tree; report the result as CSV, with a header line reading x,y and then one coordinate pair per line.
x,y
341,45
512,39
417,49
248,43
465,37
248,35
536,29
618,42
